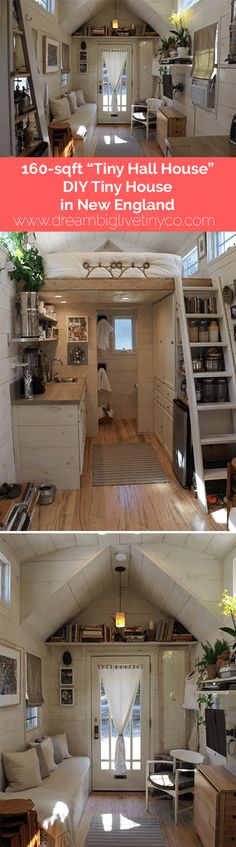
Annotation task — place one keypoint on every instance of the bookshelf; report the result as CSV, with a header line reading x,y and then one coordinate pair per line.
x,y
167,632
28,134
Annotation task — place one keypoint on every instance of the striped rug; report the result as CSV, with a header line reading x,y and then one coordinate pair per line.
x,y
119,831
126,464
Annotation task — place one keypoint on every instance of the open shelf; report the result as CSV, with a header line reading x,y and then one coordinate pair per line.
x,y
20,118
43,317
125,644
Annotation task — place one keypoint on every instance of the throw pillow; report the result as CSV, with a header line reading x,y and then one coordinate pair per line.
x,y
72,102
22,770
44,769
60,745
48,752
80,97
60,108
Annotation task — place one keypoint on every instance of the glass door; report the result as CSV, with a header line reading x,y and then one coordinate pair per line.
x,y
106,774
121,114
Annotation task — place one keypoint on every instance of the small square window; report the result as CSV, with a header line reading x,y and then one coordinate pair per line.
x,y
190,262
65,79
5,581
124,335
31,717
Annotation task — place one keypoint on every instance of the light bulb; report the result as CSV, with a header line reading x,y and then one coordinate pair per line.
x,y
120,620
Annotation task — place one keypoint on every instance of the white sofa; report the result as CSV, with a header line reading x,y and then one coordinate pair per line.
x,y
60,800
81,122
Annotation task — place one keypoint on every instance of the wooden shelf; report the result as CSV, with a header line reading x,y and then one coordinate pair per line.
x,y
207,344
20,73
48,318
36,340
125,644
20,118
202,316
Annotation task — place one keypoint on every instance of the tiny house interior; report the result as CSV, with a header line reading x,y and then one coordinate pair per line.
x,y
135,80
118,382
73,627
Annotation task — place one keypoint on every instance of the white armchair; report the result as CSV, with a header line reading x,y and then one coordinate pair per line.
x,y
173,782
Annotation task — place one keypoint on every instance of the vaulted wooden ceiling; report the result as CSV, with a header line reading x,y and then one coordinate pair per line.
x,y
73,13
180,574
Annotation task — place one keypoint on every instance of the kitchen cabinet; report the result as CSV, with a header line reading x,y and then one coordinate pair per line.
x,y
49,441
169,124
215,806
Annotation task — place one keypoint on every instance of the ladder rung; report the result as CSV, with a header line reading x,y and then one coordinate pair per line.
x,y
210,374
192,288
207,344
215,473
215,407
201,315
219,439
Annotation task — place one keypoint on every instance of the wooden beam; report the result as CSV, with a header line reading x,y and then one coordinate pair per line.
x,y
120,284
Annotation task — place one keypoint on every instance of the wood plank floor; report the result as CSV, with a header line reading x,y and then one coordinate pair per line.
x,y
182,835
151,507
147,148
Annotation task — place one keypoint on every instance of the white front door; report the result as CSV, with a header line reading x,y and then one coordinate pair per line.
x,y
104,736
124,88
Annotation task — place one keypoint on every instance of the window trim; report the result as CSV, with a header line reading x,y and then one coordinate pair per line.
x,y
5,598
121,316
196,270
34,725
212,255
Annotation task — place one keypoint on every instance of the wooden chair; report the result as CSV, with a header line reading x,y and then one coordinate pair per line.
x,y
175,781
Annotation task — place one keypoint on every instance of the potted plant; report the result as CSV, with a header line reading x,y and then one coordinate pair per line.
x,y
181,34
167,45
212,655
28,273
228,606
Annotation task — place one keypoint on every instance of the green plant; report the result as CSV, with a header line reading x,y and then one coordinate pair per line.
x,y
228,606
212,652
166,45
180,32
27,261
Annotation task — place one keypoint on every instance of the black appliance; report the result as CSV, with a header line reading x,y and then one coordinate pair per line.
x,y
182,462
232,136
216,730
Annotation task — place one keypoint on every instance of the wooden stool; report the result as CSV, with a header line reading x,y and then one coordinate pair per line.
x,y
18,824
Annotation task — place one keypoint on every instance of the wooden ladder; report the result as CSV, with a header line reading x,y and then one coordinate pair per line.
x,y
25,34
211,423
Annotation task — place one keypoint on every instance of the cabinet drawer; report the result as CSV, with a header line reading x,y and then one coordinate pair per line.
x,y
230,803
47,415
49,459
52,436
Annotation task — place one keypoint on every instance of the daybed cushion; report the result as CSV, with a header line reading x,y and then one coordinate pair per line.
x,y
59,798
72,102
80,97
47,750
60,746
80,121
60,108
22,770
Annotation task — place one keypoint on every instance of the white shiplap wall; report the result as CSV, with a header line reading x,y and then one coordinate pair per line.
x,y
8,355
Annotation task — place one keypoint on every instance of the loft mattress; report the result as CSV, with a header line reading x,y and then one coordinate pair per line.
x,y
74,265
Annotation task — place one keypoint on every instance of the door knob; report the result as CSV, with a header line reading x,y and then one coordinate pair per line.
x,y
100,88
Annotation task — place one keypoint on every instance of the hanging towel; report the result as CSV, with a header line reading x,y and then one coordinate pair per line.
x,y
103,381
103,333
190,693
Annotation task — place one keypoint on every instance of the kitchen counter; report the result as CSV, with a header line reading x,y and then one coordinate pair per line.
x,y
201,145
56,392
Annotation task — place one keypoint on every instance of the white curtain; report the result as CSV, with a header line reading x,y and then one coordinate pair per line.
x,y
115,62
121,685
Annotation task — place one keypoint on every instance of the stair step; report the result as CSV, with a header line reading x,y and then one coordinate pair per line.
x,y
210,374
215,407
215,473
192,288
208,344
201,315
219,439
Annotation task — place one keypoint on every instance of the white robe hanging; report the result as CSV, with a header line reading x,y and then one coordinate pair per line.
x,y
104,329
103,381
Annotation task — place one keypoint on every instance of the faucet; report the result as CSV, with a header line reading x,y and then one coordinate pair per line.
x,y
51,377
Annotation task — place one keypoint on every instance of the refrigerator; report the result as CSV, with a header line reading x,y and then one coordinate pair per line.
x,y
182,462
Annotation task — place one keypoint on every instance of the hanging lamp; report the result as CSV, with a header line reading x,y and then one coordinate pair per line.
x,y
115,22
120,616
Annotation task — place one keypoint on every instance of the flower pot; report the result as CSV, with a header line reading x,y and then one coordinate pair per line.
x,y
182,52
211,671
222,660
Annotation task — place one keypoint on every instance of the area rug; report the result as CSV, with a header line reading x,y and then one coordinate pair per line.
x,y
126,464
119,831
120,148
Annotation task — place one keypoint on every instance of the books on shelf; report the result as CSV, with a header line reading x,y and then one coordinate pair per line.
x,y
166,631
172,630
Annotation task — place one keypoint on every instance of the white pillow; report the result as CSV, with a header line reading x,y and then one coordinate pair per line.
x,y
60,745
80,97
22,770
72,102
48,752
60,108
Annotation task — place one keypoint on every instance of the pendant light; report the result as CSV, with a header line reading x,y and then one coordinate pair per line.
x,y
120,616
115,22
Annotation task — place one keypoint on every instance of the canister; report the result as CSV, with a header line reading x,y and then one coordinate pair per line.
x,y
203,331
193,331
208,390
213,331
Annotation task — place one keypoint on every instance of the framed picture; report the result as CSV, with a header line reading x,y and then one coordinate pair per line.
x,y
202,245
50,55
83,68
66,696
9,676
77,329
66,676
83,56
233,312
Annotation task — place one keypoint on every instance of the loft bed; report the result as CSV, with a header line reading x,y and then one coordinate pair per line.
x,y
116,266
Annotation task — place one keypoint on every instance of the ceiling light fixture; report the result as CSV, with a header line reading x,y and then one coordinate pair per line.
x,y
120,616
63,301
58,296
115,22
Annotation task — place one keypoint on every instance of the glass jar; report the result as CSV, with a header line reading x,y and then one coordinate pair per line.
x,y
203,331
208,390
212,305
213,331
198,389
193,331
221,390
